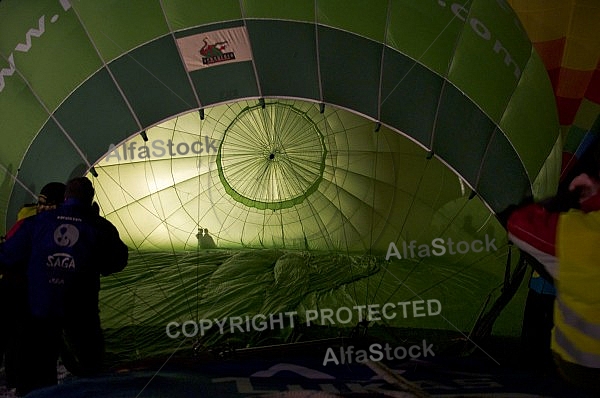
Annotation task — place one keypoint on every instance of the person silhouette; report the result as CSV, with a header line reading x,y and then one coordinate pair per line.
x,y
205,241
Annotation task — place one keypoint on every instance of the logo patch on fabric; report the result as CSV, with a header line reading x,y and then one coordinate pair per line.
x,y
61,260
66,235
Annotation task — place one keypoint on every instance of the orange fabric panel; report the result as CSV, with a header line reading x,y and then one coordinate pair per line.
x,y
573,83
551,52
593,91
567,109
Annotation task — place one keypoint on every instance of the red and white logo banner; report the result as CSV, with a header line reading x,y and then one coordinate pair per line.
x,y
207,49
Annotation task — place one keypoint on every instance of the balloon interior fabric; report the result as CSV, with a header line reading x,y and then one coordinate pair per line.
x,y
283,171
562,34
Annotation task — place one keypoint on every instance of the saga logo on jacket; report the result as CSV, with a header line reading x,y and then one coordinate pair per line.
x,y
61,260
66,235
58,263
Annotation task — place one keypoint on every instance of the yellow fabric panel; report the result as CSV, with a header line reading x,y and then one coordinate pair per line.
x,y
583,43
546,20
543,19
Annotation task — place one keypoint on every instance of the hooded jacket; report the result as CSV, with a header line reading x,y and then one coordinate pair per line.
x,y
65,251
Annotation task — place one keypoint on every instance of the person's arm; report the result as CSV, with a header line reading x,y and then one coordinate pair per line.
x,y
117,252
533,229
16,249
589,192
14,228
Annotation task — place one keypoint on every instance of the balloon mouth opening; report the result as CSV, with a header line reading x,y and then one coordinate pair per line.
x,y
272,156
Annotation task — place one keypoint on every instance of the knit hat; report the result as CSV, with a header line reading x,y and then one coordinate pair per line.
x,y
53,193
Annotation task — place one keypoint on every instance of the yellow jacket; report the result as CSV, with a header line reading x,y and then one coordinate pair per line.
x,y
576,335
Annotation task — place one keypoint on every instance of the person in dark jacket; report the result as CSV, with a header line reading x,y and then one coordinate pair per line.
x,y
65,250
14,309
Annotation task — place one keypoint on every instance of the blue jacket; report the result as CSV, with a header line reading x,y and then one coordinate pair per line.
x,y
65,251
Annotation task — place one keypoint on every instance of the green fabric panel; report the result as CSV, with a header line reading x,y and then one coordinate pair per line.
x,y
51,157
285,58
235,80
545,183
6,188
154,81
277,9
183,14
588,111
502,52
208,28
119,26
527,129
17,17
409,160
409,96
50,49
573,139
436,187
97,110
17,99
503,181
350,78
425,31
462,141
365,18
